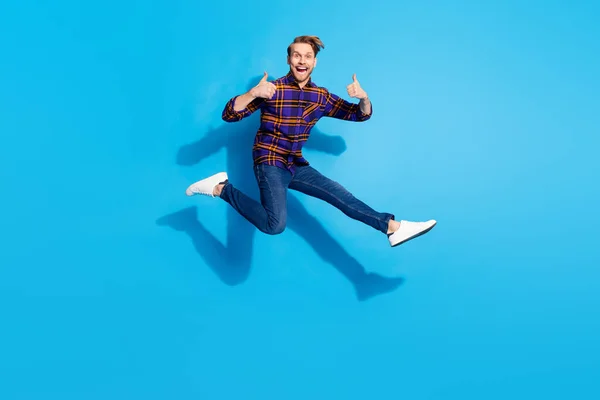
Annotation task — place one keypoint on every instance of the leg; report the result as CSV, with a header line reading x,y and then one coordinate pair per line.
x,y
311,182
270,215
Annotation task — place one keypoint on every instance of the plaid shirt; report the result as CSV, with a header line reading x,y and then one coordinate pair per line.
x,y
287,118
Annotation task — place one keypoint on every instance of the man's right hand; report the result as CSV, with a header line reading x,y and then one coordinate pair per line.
x,y
263,89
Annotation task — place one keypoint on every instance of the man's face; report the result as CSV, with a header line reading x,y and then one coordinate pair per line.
x,y
302,61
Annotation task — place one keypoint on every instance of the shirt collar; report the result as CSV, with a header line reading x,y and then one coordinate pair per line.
x,y
290,79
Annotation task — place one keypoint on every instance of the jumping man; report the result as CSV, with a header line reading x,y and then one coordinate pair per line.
x,y
290,106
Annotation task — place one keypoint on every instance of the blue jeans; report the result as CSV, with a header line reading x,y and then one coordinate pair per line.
x,y
270,214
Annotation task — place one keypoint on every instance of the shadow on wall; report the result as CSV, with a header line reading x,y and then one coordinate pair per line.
x,y
231,261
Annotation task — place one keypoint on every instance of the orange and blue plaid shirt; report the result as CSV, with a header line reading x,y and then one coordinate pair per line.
x,y
288,117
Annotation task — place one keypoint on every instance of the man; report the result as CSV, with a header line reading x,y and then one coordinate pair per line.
x,y
290,106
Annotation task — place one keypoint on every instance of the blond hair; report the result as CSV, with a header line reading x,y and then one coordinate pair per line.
x,y
314,42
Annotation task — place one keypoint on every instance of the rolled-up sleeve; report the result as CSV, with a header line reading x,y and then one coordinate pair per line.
x,y
231,115
336,107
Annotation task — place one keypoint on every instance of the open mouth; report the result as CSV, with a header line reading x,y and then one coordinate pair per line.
x,y
301,70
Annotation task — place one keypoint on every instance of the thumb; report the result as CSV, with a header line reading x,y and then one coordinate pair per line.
x,y
264,78
354,78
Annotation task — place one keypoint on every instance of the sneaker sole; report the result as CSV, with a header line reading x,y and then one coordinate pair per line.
x,y
415,236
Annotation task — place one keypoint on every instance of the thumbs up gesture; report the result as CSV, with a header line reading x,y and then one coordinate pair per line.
x,y
354,89
264,88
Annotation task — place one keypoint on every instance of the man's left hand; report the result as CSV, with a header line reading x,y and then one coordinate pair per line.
x,y
354,89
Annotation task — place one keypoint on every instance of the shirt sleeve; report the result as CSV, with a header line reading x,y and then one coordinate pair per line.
x,y
336,107
231,115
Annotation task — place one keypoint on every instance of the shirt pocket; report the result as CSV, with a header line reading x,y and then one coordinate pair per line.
x,y
311,112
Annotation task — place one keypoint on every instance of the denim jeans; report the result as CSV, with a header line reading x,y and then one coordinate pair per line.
x,y
270,214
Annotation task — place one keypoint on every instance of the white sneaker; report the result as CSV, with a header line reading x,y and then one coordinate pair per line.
x,y
409,230
206,186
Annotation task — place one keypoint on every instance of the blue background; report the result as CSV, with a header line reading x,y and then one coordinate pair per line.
x,y
115,285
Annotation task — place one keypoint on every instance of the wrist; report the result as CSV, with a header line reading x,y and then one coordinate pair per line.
x,y
251,94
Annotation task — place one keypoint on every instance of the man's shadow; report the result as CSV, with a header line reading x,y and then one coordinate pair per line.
x,y
231,261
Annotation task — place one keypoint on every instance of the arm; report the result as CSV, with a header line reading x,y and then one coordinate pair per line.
x,y
243,101
365,105
242,106
338,108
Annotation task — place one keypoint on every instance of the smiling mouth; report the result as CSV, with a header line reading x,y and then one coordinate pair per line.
x,y
301,69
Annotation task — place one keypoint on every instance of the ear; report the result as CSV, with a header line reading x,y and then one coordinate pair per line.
x,y
315,62
288,60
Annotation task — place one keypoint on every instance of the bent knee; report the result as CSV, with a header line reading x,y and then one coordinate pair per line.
x,y
275,229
